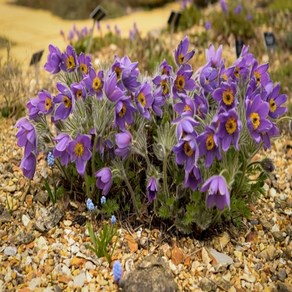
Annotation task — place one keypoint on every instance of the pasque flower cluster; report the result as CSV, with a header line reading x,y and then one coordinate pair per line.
x,y
103,116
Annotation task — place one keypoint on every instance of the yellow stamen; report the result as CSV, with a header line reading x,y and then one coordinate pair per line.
x,y
236,72
231,126
96,83
118,71
228,97
187,108
79,94
141,98
70,62
273,105
207,81
123,111
181,59
84,68
79,149
224,77
210,144
255,119
164,71
48,104
67,101
258,77
180,83
164,86
187,149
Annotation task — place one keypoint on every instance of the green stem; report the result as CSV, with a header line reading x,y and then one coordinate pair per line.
x,y
165,186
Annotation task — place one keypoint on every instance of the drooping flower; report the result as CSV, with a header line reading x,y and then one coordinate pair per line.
x,y
84,63
256,116
208,78
192,178
123,141
33,110
213,57
113,219
237,9
54,60
112,91
78,90
209,145
27,136
80,152
45,104
50,159
158,102
201,105
181,54
226,95
104,180
183,81
117,271
144,99
124,112
267,165
28,165
89,205
266,136
66,102
103,200
69,60
61,148
184,126
218,193
94,83
152,189
229,129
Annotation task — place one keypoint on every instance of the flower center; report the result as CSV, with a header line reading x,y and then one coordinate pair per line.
x,y
187,108
207,81
188,149
230,126
84,68
236,72
164,71
79,149
164,87
255,119
180,82
224,77
118,71
210,144
48,104
70,63
67,101
96,84
79,94
181,59
258,77
228,97
273,105
123,111
141,98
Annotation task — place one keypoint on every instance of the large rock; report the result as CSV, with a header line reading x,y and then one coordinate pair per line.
x,y
150,275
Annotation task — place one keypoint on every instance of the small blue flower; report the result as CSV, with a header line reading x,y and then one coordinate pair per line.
x,y
117,271
103,200
89,205
113,219
50,159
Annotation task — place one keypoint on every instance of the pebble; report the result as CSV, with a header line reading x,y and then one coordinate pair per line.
x,y
282,275
79,280
10,251
25,220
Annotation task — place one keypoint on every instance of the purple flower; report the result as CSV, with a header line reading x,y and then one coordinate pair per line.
x,y
163,83
78,90
275,101
201,105
165,68
61,148
218,193
183,81
214,57
117,30
181,54
28,165
192,178
187,152
94,83
54,60
124,112
209,145
237,9
69,60
256,116
186,107
46,104
89,205
79,150
266,136
260,74
112,91
208,25
185,126
225,94
144,99
152,188
117,271
104,180
229,129
27,136
158,102
223,5
123,141
66,102
84,63
208,78
33,110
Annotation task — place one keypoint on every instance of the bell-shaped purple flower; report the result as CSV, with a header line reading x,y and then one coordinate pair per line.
x,y
54,60
152,189
33,110
46,104
66,102
192,178
181,54
61,149
183,81
28,165
260,74
69,60
27,136
94,83
163,83
237,9
144,99
184,126
165,68
226,95
124,112
214,58
218,193
158,102
79,150
201,105
112,91
229,129
123,142
104,180
224,6
266,136
84,63
78,90
208,78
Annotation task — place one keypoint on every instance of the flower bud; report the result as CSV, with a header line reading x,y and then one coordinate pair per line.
x,y
267,165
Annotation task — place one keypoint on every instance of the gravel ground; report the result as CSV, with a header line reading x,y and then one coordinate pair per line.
x,y
255,258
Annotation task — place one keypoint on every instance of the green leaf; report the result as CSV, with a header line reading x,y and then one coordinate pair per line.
x,y
163,212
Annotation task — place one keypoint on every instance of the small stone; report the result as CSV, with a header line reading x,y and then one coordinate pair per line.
x,y
5,217
9,189
205,256
207,285
284,288
272,192
248,277
67,222
35,282
220,259
282,275
25,220
268,253
278,235
41,197
89,266
10,250
79,280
